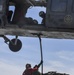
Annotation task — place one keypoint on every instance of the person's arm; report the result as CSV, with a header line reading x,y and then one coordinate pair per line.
x,y
39,64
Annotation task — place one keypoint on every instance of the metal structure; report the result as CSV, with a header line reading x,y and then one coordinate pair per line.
x,y
57,22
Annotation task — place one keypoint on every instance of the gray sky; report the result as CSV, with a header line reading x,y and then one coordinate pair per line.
x,y
58,56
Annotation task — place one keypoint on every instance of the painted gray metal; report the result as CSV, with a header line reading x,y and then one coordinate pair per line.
x,y
60,14
33,30
58,24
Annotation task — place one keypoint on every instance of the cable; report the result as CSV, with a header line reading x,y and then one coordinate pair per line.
x,y
41,53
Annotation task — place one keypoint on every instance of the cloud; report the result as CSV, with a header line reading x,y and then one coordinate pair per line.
x,y
59,67
60,61
66,55
14,63
56,64
71,71
7,69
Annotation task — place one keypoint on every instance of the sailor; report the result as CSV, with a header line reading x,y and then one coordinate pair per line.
x,y
32,71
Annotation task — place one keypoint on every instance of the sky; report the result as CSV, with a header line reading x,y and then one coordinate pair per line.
x,y
58,54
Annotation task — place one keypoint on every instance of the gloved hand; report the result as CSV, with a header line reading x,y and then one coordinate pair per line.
x,y
41,62
35,66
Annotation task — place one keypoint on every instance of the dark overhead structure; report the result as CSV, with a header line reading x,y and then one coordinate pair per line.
x,y
57,21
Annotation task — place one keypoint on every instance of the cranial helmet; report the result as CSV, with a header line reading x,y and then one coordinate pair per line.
x,y
28,65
